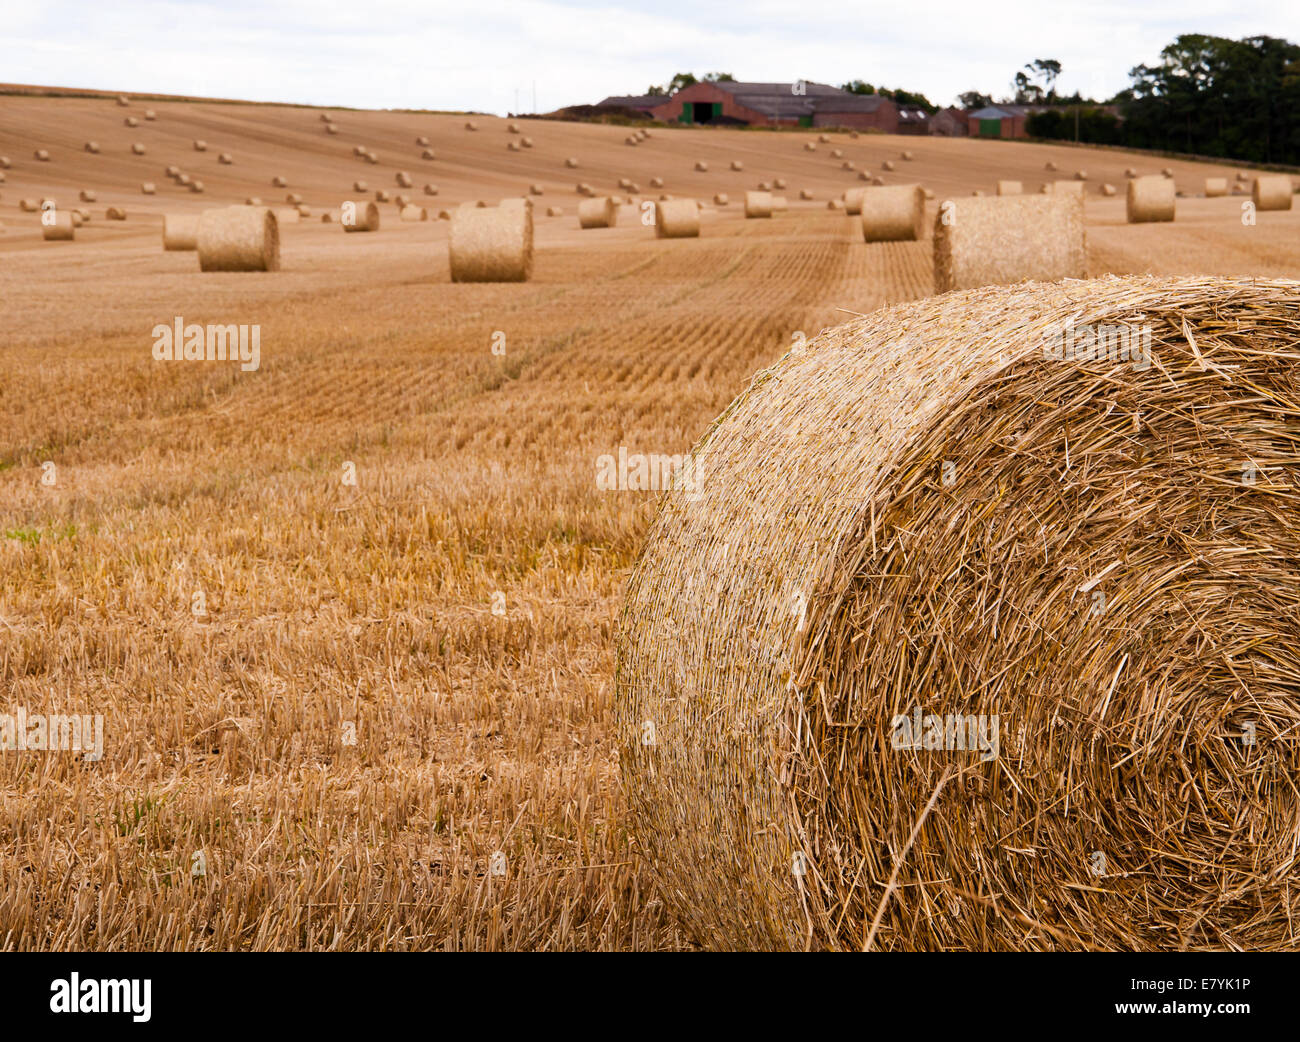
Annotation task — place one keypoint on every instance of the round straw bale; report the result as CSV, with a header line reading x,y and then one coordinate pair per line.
x,y
137,149
737,164
430,189
907,155
226,159
381,195
764,186
28,205
471,125
422,141
630,140
848,165
835,204
625,183
805,194
360,186
877,181
371,158
1049,165
359,215
428,153
1107,189
810,146
2,177
57,226
1166,172
292,198
444,215
894,214
701,166
512,128
147,188
401,199
981,242
330,128
173,171
1215,186
1150,199
677,219
4,163
327,218
1130,172
253,200
279,181
115,213
824,139
1010,188
239,238
536,189
888,164
325,117
123,100
977,192
403,179
597,213
492,245
80,217
721,199
571,163
853,134
1081,175
778,182
410,212
87,195
829,569
1242,175
527,142
758,204
131,121
1272,192
92,147
554,211
359,151
656,182
512,146
837,153
42,155
150,114
200,145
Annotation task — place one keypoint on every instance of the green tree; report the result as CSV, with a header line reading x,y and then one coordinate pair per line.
x,y
719,77
681,81
973,99
858,87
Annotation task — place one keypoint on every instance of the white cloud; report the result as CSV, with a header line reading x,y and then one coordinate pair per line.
x,y
405,53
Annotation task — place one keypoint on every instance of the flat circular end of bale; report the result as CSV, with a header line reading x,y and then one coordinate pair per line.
x,y
493,244
758,204
1150,199
893,214
1272,192
1005,239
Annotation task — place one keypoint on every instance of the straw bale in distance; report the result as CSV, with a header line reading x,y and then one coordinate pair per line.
x,y
571,163
832,554
422,141
492,245
894,214
677,219
123,100
758,204
131,121
360,186
253,200
536,189
554,211
737,164
778,183
721,199
764,186
330,128
1271,192
150,114
42,155
401,199
148,188
28,205
137,149
87,195
1108,189
656,182
597,213
888,164
430,189
908,155
1215,186
526,141
824,139
810,146
239,238
92,147
471,125
360,215
1166,171
1150,199
412,213
981,242
805,194
381,195
200,145
835,204
403,179
57,226
428,153
1081,175
1010,188
1049,165
701,166
1130,172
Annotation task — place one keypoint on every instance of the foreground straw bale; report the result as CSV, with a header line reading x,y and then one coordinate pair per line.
x,y
493,244
1272,192
677,219
239,238
894,214
865,695
1150,199
981,242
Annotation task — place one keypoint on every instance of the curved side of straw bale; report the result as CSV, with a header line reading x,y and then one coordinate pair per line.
x,y
92,147
758,204
1215,186
893,214
147,188
115,213
981,242
1150,199
885,524
200,145
180,231
360,215
1271,192
410,212
57,226
494,244
239,238
677,219
597,213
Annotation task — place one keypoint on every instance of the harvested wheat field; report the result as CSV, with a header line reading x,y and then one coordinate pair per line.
x,y
348,604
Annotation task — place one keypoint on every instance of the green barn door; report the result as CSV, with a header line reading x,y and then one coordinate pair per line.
x,y
990,128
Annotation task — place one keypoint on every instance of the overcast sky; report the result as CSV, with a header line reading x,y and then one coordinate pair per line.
x,y
486,54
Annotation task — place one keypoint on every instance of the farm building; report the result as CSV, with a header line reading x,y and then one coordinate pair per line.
x,y
1001,120
778,104
949,122
912,119
638,102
